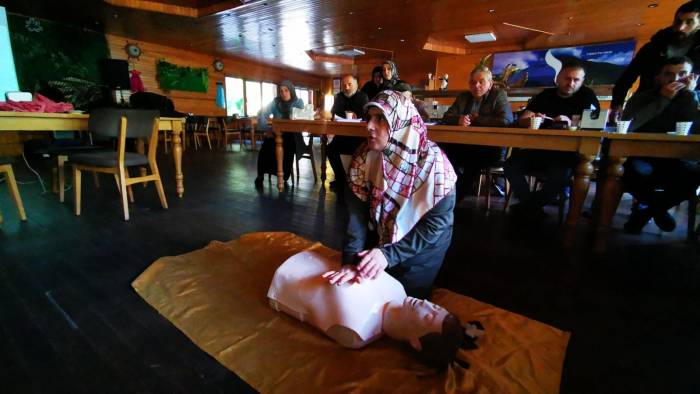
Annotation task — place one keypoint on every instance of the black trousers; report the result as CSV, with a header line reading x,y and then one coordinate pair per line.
x,y
267,161
468,161
661,183
556,167
341,145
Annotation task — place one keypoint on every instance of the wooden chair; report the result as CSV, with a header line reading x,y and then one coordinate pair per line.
x,y
109,123
536,181
491,174
304,151
230,128
205,125
6,168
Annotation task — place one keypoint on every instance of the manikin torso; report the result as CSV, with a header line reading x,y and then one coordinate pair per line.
x,y
351,314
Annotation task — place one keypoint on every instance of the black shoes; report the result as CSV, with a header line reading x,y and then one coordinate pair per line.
x,y
259,182
638,219
665,221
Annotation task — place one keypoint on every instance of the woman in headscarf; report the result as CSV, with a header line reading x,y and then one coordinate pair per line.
x,y
391,78
279,108
403,189
374,85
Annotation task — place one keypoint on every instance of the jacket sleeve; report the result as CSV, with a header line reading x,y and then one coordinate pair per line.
x,y
356,230
424,234
643,107
451,116
501,115
631,73
263,116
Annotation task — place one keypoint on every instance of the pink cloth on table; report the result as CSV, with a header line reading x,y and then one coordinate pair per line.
x,y
38,104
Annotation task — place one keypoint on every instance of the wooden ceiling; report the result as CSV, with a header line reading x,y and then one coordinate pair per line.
x,y
287,32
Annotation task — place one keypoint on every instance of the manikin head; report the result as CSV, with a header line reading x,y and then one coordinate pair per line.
x,y
349,85
686,21
377,78
480,81
674,69
570,79
429,328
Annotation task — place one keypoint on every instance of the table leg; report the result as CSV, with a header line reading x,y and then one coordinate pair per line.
x,y
582,180
177,157
610,199
279,153
253,146
324,144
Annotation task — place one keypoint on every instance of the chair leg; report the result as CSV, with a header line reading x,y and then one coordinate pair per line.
x,y
297,166
61,177
54,179
12,185
478,187
240,140
488,191
313,166
507,202
129,189
76,189
116,181
159,186
122,182
209,141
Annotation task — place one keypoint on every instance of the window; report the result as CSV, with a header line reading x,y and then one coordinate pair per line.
x,y
235,98
253,101
305,95
269,92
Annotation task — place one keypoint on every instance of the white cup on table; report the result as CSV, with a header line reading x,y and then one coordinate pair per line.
x,y
622,126
683,128
535,122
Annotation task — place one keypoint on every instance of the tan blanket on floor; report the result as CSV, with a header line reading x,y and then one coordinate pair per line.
x,y
217,296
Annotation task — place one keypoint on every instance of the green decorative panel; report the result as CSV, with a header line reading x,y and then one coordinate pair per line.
x,y
173,77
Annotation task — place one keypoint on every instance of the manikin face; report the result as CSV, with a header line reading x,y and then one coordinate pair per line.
x,y
377,79
672,73
569,81
479,84
414,319
386,71
685,25
378,129
349,86
285,94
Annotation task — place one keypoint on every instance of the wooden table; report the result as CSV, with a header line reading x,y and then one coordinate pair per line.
x,y
585,143
622,146
34,121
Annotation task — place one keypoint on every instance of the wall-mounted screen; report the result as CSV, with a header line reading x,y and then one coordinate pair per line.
x,y
603,62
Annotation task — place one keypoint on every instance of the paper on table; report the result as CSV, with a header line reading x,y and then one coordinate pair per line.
x,y
341,119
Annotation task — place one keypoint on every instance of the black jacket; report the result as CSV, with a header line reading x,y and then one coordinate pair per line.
x,y
355,103
494,111
646,63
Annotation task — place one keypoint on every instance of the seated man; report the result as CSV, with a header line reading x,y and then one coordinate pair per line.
x,y
482,105
360,311
657,183
350,101
558,104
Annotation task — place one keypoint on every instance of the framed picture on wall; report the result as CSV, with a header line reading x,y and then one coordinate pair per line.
x,y
336,85
604,63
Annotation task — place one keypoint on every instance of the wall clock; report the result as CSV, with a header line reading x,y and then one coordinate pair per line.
x,y
218,65
132,50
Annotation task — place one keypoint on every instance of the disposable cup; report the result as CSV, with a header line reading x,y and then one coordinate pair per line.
x,y
535,122
683,128
349,115
623,125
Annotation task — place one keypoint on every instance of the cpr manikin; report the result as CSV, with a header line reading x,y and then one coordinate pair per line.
x,y
355,314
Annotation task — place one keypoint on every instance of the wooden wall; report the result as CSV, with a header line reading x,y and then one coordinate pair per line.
x,y
203,103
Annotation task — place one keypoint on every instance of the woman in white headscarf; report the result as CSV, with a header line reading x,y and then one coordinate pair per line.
x,y
402,188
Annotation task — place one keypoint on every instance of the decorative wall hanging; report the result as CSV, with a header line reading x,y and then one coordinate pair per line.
x,y
173,77
218,65
603,62
133,51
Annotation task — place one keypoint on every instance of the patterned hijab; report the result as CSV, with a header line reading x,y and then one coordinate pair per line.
x,y
405,180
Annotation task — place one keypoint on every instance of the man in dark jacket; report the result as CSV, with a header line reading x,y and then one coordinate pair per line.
x,y
374,86
658,183
349,101
481,105
680,39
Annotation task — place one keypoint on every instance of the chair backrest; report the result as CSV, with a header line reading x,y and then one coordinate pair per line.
x,y
104,122
302,148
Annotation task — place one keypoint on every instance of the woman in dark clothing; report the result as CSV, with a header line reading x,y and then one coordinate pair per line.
x,y
391,78
279,108
374,85
402,188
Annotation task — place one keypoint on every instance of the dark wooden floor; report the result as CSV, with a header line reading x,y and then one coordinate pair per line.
x,y
70,321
